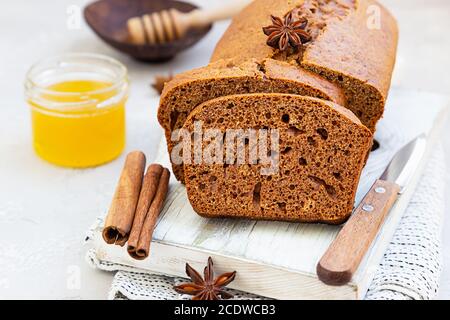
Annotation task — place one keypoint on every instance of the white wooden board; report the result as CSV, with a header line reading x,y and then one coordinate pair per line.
x,y
278,259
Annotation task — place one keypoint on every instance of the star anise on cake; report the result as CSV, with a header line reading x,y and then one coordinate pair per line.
x,y
206,288
288,32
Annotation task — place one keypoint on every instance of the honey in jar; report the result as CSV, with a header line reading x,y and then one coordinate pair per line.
x,y
78,109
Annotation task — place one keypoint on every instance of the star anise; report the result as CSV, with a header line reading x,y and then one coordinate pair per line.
x,y
287,32
207,288
160,82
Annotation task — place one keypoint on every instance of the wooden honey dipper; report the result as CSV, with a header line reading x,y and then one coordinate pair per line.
x,y
169,25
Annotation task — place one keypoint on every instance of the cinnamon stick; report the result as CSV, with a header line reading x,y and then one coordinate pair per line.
x,y
143,247
148,191
121,213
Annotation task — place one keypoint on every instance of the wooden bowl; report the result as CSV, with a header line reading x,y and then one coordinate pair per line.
x,y
108,19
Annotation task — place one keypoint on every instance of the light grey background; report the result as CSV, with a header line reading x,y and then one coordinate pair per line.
x,y
45,211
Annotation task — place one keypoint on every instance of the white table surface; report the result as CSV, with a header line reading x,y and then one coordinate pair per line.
x,y
45,210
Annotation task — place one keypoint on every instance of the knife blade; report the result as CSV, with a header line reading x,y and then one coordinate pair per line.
x,y
344,255
405,161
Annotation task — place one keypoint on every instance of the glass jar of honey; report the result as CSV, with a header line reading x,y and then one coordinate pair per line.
x,y
78,109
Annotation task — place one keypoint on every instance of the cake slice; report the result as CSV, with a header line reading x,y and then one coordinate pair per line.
x,y
308,171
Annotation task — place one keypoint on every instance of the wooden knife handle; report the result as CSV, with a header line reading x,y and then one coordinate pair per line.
x,y
344,255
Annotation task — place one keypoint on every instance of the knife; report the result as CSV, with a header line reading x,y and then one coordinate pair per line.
x,y
343,257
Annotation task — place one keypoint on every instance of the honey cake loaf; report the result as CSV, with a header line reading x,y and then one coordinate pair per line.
x,y
322,148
